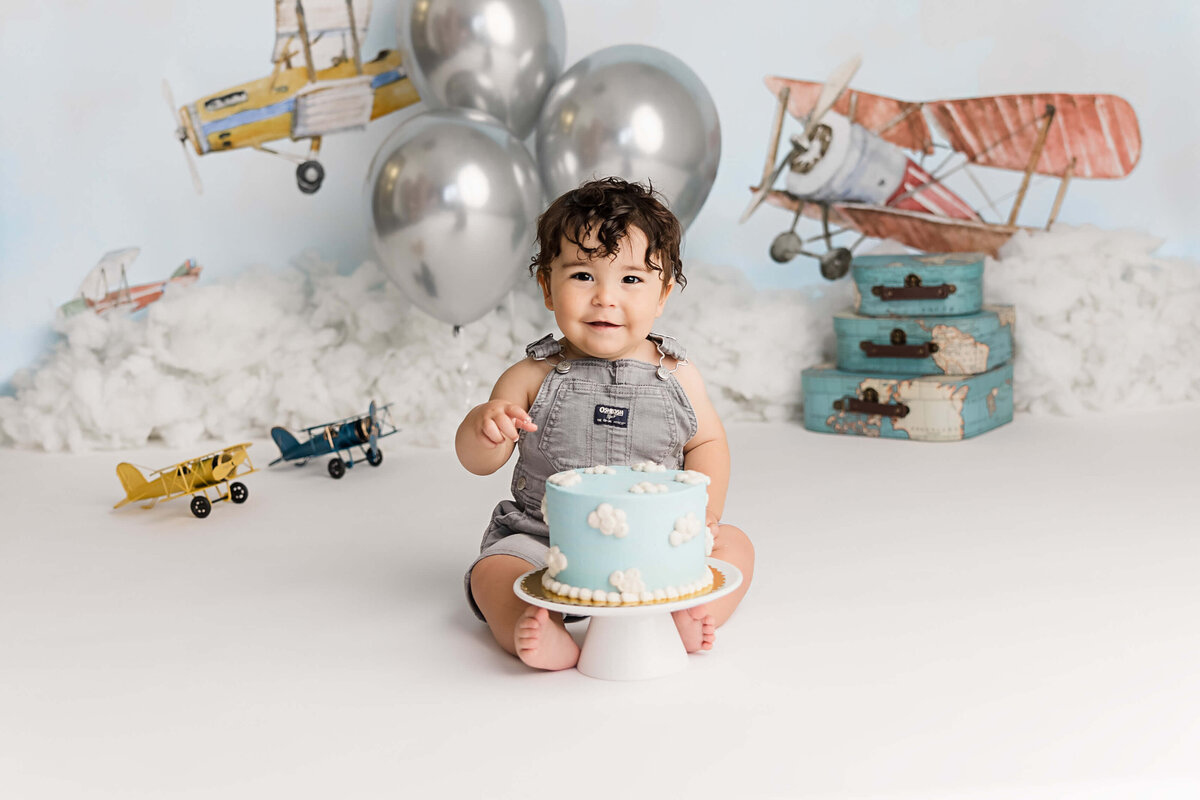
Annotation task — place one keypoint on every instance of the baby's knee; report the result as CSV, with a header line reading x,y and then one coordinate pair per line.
x,y
731,538
500,568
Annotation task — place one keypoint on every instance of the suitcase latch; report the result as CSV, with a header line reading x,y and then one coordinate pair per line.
x,y
899,347
913,290
869,404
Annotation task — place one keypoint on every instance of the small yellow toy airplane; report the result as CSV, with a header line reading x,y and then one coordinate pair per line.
x,y
331,89
194,477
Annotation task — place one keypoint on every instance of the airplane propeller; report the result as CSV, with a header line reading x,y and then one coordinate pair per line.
x,y
374,427
831,91
181,135
223,468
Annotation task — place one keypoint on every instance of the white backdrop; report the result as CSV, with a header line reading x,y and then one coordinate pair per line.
x,y
88,162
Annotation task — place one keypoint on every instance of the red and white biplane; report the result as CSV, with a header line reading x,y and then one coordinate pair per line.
x,y
850,168
106,288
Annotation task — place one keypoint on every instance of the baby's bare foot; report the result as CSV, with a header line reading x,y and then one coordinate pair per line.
x,y
696,627
544,644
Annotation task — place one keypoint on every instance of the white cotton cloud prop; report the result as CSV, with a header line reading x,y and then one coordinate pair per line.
x,y
1102,324
294,347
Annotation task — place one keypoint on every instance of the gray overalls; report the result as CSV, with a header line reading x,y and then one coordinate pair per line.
x,y
588,411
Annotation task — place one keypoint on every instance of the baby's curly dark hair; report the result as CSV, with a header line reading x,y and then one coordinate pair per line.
x,y
609,207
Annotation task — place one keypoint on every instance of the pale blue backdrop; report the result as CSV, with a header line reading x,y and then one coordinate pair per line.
x,y
88,162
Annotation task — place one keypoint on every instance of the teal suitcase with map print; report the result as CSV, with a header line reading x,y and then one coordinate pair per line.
x,y
928,408
962,345
925,285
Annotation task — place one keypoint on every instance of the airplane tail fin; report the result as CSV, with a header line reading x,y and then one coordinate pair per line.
x,y
132,480
285,441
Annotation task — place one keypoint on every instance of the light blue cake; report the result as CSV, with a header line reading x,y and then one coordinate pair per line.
x,y
627,535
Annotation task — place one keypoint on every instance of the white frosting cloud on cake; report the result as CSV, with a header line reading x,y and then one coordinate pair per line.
x,y
692,476
648,466
600,469
568,478
709,540
609,521
686,528
556,561
628,581
646,487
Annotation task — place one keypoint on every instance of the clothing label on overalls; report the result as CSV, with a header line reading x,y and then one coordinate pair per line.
x,y
611,415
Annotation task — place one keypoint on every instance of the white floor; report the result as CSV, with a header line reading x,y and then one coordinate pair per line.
x,y
1016,616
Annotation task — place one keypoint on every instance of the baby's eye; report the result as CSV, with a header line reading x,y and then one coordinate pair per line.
x,y
582,276
631,279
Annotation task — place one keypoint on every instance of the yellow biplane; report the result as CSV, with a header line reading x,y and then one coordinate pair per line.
x,y
320,85
214,470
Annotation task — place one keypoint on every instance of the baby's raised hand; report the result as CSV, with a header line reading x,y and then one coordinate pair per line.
x,y
499,421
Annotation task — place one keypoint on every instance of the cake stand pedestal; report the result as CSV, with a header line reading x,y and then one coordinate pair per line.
x,y
629,643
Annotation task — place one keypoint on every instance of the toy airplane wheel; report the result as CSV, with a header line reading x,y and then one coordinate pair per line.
x,y
201,507
835,263
785,247
238,492
337,467
309,176
374,457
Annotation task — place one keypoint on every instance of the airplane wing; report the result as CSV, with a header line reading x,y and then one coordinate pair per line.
x,y
328,24
106,275
928,232
1098,131
897,121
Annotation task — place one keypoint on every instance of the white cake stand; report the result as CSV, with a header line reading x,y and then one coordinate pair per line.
x,y
629,643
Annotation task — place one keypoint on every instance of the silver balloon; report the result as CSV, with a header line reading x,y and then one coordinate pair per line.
x,y
496,56
633,112
453,200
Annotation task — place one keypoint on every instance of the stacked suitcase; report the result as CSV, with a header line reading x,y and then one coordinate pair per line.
x,y
920,358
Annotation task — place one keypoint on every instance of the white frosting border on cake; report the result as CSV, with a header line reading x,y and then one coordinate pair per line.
x,y
664,595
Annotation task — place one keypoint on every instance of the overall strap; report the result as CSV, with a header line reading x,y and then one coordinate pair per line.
x,y
543,348
667,347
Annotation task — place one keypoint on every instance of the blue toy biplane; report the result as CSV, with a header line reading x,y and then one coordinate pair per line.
x,y
340,437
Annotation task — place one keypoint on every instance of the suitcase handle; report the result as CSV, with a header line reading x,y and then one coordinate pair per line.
x,y
913,290
899,347
869,404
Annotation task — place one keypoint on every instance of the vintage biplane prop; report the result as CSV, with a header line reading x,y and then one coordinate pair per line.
x,y
319,86
195,477
340,437
848,167
106,287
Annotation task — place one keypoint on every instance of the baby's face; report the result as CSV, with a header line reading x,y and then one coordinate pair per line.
x,y
605,306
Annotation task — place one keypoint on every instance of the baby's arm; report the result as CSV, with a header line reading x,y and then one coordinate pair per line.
x,y
488,433
708,450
